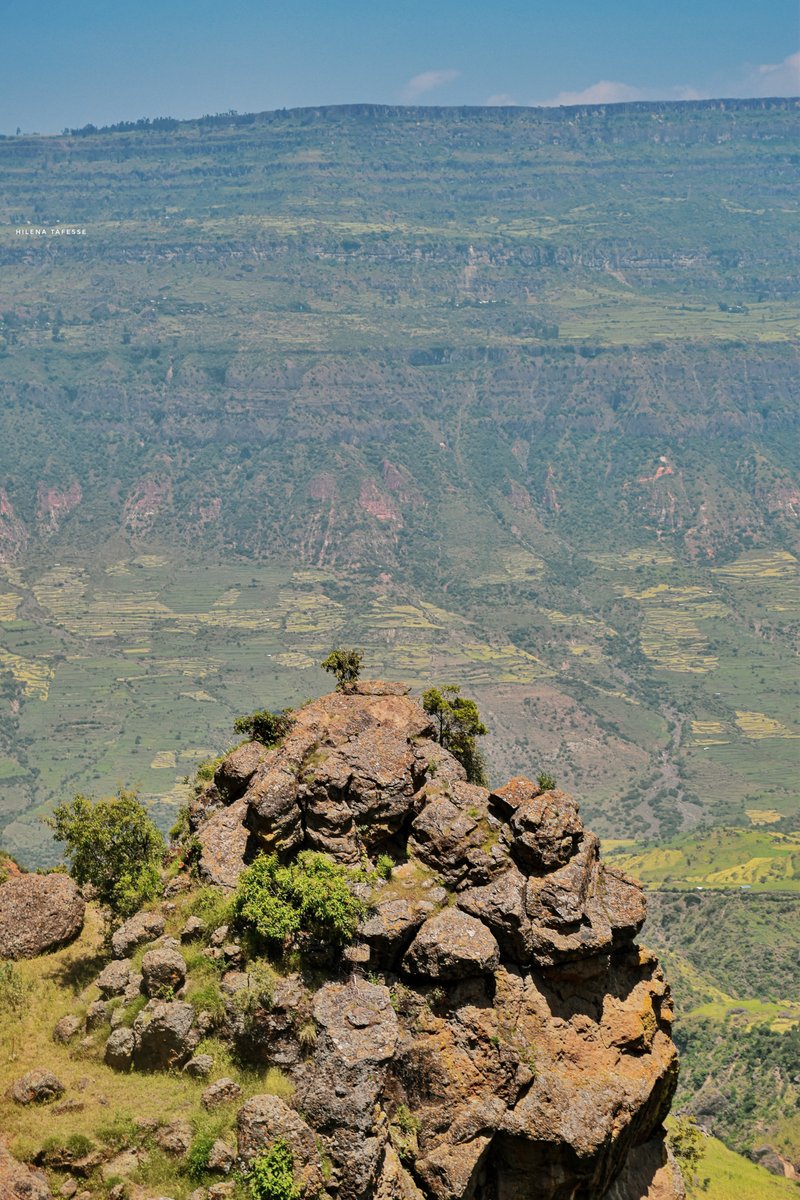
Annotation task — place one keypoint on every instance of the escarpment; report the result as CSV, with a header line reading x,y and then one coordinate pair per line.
x,y
493,1031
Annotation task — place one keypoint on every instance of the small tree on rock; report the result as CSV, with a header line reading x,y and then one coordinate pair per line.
x,y
345,663
114,845
264,726
458,725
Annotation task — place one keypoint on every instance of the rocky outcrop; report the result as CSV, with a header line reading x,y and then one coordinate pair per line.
x,y
38,914
494,1031
19,1182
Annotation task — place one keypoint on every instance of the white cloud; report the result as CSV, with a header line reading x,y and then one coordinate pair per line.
x,y
605,91
427,81
501,100
765,79
775,79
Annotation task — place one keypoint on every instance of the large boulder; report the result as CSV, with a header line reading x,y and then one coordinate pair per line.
x,y
141,928
37,1087
234,773
452,945
224,845
264,1120
18,1182
163,971
165,1035
544,830
357,1036
38,914
456,833
272,810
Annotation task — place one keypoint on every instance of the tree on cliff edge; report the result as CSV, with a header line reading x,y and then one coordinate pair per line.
x,y
458,725
345,663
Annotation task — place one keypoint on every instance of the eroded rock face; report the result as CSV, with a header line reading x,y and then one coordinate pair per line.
x,y
38,914
494,1032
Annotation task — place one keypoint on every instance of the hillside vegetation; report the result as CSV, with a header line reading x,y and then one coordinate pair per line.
x,y
501,393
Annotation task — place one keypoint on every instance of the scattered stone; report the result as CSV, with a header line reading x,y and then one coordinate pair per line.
x,y
452,945
222,1091
221,1191
163,971
221,1157
66,1029
38,914
220,935
119,1048
200,1066
114,978
175,1138
193,929
96,1014
68,1188
140,928
37,1087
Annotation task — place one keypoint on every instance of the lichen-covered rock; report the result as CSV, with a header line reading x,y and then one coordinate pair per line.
x,y
115,977
220,1157
221,1091
38,914
36,1087
66,1029
452,945
357,1036
544,830
175,1138
236,770
390,927
224,843
163,971
455,833
140,928
96,1014
200,1066
19,1182
119,1048
165,1035
194,928
264,1120
272,809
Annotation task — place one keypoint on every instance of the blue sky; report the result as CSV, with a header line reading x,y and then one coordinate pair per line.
x,y
69,62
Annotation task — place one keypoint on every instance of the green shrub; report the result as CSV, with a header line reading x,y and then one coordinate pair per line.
x,y
197,1158
405,1119
264,726
271,1174
384,866
114,845
311,896
546,781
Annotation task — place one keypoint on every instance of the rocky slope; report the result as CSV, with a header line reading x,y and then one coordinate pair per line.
x,y
492,1032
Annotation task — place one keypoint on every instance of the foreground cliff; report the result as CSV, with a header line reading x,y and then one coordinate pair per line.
x,y
491,1032
527,1034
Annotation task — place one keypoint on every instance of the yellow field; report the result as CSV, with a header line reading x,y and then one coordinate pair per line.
x,y
35,674
758,725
